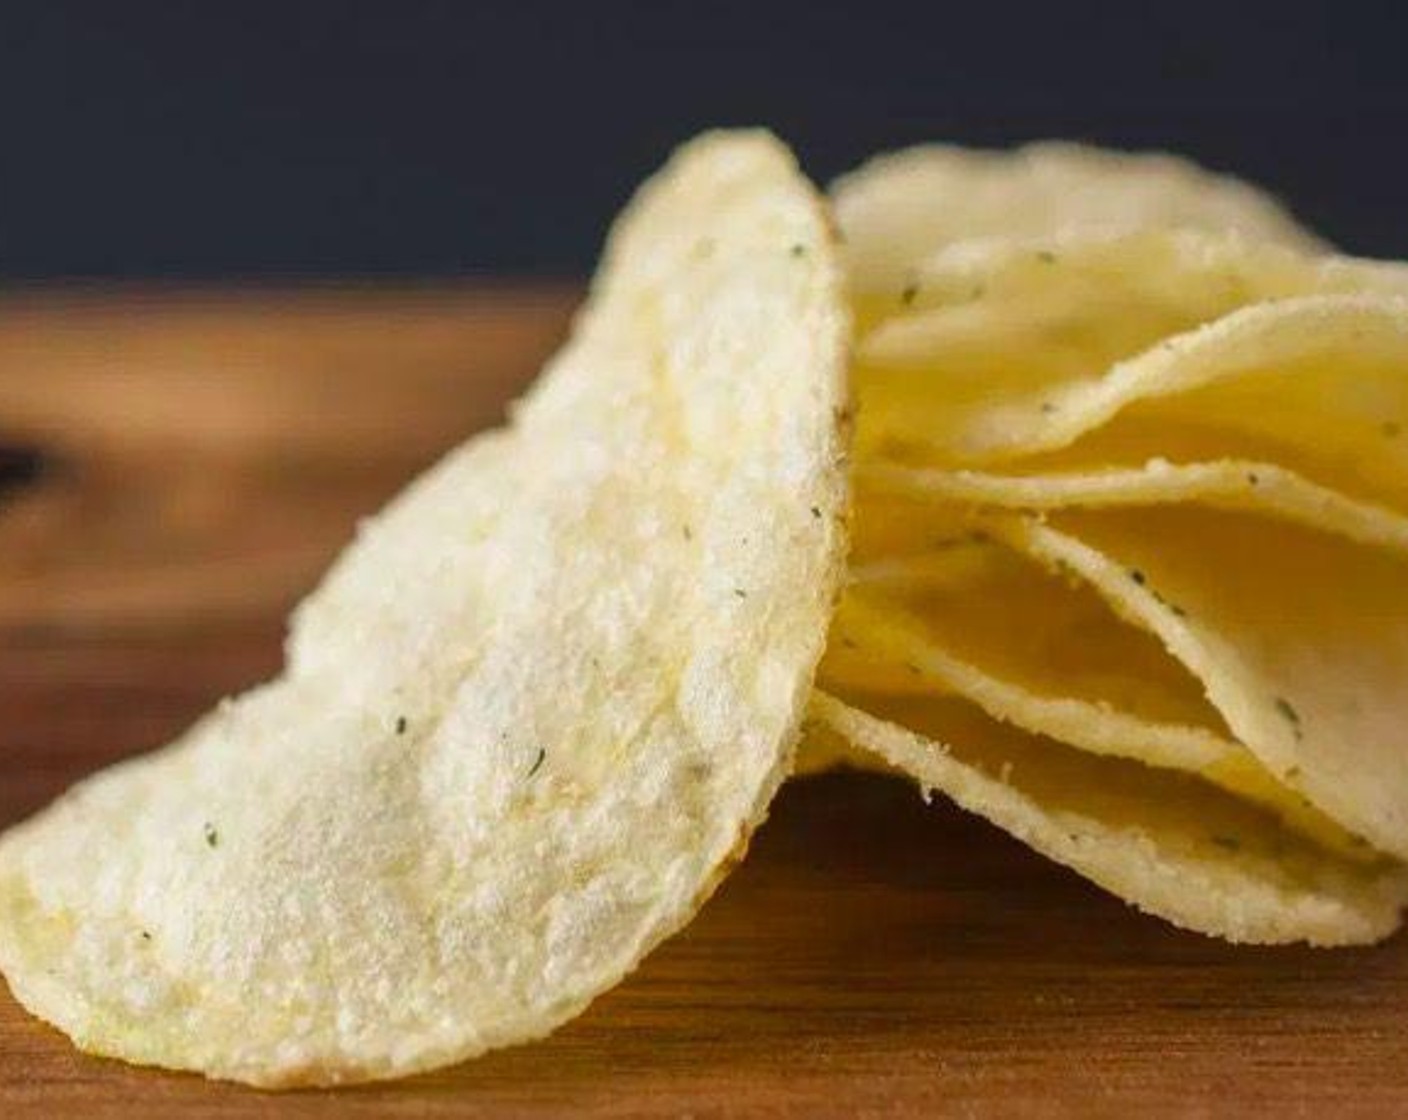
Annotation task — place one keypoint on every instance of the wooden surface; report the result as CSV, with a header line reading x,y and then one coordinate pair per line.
x,y
176,467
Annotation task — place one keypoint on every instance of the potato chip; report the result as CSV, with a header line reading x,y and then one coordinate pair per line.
x,y
1300,639
1041,634
1225,484
1167,843
1173,327
1042,660
900,208
1191,400
530,718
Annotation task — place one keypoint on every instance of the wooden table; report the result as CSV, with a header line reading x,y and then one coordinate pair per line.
x,y
177,466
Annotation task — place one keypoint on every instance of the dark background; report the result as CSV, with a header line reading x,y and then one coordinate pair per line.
x,y
238,139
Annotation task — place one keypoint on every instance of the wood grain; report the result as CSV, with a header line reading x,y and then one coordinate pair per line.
x,y
176,466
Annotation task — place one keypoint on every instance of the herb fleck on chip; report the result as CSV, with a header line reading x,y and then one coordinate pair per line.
x,y
1288,713
910,293
1391,428
400,725
799,250
740,592
1231,843
1046,256
1137,576
212,836
816,512
538,762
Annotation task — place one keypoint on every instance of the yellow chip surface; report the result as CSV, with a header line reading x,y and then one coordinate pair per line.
x,y
1257,487
1198,413
1057,662
1168,844
1300,639
1040,345
529,719
900,208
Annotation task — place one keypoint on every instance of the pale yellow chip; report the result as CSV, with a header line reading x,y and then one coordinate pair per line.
x,y
529,720
1042,635
1300,638
1231,342
898,209
1225,484
1166,843
1055,662
1223,398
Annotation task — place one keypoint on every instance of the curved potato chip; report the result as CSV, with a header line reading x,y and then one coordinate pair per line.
x,y
880,648
1092,296
899,208
1314,385
962,565
1227,484
1041,634
998,378
1301,640
1166,843
529,720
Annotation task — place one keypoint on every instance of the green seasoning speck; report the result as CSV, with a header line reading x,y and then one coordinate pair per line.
x,y
400,725
1048,407
1252,478
848,641
1046,256
538,762
740,592
688,532
146,935
1143,581
1288,713
1231,843
910,293
212,837
799,250
913,668
1391,428
816,512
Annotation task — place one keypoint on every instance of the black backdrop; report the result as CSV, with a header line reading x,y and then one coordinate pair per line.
x,y
238,139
